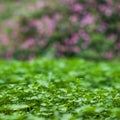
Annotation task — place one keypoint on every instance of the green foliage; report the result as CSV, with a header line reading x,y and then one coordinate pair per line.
x,y
59,90
100,43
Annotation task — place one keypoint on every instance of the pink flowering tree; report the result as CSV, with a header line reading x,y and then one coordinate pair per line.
x,y
79,28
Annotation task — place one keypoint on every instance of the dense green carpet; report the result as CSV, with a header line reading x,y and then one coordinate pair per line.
x,y
59,90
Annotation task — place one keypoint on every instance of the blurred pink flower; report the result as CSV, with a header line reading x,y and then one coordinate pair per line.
x,y
110,2
84,35
75,49
62,48
24,28
118,6
41,4
108,10
48,25
77,7
34,23
42,43
17,1
102,27
28,44
112,37
4,39
74,18
31,7
84,45
118,46
45,25
2,6
57,16
74,39
38,24
31,56
87,20
8,54
109,55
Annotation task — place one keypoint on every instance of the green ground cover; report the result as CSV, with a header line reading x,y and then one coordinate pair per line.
x,y
59,90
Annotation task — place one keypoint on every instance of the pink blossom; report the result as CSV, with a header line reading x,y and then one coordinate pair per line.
x,y
28,43
109,55
106,9
112,37
101,7
48,25
62,48
4,39
9,54
2,6
24,28
31,56
38,24
84,45
17,1
110,2
78,7
34,23
84,35
74,18
57,17
75,39
41,4
31,7
87,20
67,41
118,6
102,27
42,43
118,45
45,25
75,49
